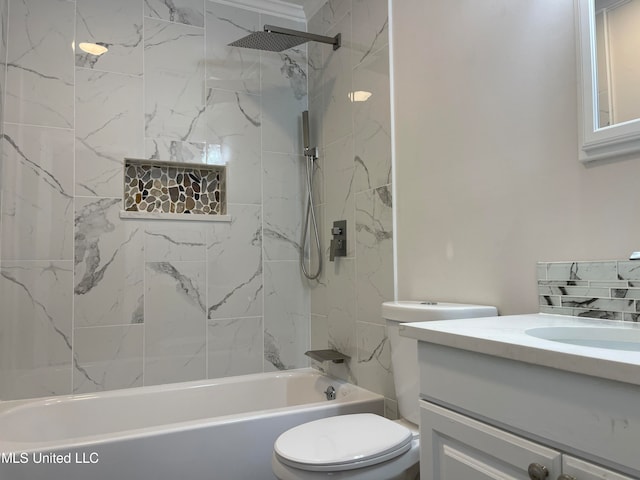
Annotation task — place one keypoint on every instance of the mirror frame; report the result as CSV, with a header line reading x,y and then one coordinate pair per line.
x,y
617,140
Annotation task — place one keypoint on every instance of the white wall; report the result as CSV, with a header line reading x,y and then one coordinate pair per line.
x,y
488,180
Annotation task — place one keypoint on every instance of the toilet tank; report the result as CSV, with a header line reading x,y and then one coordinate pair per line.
x,y
404,351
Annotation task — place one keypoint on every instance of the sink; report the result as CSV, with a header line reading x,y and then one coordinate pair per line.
x,y
612,338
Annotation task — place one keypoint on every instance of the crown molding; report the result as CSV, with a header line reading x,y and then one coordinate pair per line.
x,y
278,8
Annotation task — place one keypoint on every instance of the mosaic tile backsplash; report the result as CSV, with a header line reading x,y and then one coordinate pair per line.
x,y
609,290
174,188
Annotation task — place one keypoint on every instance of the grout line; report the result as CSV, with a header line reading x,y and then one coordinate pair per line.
x,y
211,228
144,239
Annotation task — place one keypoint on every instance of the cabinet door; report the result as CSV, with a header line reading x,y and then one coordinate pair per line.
x,y
581,470
456,447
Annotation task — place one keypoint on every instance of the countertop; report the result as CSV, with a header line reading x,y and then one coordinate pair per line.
x,y
505,337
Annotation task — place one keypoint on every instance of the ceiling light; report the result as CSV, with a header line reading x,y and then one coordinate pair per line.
x,y
92,48
359,96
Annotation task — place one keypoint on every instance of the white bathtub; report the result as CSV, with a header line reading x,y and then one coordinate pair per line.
x,y
215,429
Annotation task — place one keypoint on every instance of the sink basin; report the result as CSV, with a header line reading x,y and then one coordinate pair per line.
x,y
612,338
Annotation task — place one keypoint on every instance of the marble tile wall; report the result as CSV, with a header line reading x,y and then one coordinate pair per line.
x,y
4,6
609,290
93,302
353,177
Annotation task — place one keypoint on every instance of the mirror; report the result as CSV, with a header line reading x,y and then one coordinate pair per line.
x,y
609,74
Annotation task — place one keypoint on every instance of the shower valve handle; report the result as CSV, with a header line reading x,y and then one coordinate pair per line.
x,y
338,247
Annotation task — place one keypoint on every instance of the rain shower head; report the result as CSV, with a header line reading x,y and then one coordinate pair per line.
x,y
277,39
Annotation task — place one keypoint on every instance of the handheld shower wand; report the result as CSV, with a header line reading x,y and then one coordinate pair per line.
x,y
310,155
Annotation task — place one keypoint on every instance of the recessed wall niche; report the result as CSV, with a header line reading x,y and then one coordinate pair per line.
x,y
158,187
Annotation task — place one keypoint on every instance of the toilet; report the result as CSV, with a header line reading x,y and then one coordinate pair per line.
x,y
365,446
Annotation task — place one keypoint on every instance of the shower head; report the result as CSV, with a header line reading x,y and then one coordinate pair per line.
x,y
277,39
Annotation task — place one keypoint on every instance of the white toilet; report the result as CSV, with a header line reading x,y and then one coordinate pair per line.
x,y
367,446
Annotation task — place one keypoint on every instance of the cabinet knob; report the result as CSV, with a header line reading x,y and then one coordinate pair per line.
x,y
537,471
564,476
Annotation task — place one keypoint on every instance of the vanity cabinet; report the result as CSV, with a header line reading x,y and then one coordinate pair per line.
x,y
457,447
574,468
490,417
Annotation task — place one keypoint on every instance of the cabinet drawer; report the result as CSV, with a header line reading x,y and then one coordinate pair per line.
x,y
455,447
581,470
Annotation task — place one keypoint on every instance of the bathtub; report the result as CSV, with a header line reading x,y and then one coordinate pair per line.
x,y
220,429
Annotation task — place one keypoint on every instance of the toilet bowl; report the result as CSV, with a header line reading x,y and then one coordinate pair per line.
x,y
367,446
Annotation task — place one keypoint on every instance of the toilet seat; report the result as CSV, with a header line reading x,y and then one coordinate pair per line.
x,y
342,443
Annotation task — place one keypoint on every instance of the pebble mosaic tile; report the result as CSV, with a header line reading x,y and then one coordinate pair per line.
x,y
171,188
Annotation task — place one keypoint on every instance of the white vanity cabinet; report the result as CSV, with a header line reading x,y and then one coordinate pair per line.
x,y
576,469
496,402
456,447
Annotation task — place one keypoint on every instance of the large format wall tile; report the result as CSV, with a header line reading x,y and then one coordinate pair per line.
x,y
165,241
40,63
234,126
319,332
333,11
286,317
189,12
372,123
234,254
374,252
341,309
370,28
315,58
339,190
283,199
235,347
109,265
373,367
4,13
231,68
355,180
284,94
108,108
318,286
37,209
107,358
117,25
167,149
35,332
151,302
173,62
175,322
337,85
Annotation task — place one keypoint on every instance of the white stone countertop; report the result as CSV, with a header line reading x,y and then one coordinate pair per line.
x,y
505,337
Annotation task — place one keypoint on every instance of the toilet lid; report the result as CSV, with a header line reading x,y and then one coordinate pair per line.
x,y
344,442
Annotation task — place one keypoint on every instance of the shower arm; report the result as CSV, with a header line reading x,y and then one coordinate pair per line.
x,y
335,41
